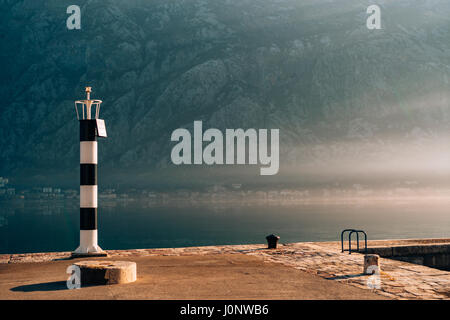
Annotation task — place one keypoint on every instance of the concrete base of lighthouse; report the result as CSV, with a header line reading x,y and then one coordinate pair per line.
x,y
88,245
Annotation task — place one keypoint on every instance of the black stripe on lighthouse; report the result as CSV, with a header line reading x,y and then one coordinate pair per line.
x,y
88,218
88,174
88,130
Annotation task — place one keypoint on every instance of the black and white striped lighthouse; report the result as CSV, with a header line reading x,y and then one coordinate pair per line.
x,y
91,127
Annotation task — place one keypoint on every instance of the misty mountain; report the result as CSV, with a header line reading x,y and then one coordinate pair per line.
x,y
345,98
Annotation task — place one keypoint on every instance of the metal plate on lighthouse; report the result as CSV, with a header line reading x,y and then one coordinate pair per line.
x,y
101,128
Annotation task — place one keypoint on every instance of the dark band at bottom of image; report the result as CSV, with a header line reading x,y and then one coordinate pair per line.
x,y
225,309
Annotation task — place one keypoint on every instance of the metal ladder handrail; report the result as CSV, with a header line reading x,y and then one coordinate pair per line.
x,y
351,231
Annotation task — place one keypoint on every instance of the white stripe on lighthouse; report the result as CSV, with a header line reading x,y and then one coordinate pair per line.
x,y
88,152
88,241
88,196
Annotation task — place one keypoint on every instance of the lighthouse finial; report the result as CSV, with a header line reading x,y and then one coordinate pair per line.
x,y
88,92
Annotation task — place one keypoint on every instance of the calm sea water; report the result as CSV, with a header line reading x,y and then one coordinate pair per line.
x,y
54,226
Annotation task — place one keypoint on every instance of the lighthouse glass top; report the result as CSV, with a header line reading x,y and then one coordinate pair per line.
x,y
89,109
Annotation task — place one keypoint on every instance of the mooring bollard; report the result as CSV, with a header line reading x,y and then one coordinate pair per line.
x,y
371,264
272,241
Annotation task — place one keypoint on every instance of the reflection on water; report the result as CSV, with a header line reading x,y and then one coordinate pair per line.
x,y
54,226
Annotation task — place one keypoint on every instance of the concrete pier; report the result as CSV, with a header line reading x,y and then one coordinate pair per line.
x,y
308,270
